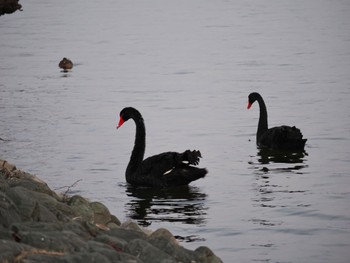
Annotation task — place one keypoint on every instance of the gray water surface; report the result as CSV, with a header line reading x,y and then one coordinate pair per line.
x,y
188,66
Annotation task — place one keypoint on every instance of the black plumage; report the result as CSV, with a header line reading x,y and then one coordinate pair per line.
x,y
276,138
162,170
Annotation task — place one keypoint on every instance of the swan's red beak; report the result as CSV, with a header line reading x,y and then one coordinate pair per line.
x,y
249,105
121,121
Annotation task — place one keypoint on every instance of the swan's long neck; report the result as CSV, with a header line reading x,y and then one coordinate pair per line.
x,y
139,147
262,125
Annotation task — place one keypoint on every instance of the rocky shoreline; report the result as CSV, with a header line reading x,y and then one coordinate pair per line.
x,y
39,225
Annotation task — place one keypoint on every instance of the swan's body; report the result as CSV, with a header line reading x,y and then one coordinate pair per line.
x,y
277,138
162,170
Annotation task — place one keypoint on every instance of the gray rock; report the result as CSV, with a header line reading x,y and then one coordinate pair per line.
x,y
40,256
115,220
82,208
165,241
8,211
148,253
127,234
101,213
116,243
131,226
64,241
206,255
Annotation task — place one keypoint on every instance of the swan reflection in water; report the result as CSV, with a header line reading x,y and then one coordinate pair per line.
x,y
272,172
186,204
293,160
275,182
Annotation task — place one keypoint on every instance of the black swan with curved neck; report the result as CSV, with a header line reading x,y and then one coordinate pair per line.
x,y
162,170
276,138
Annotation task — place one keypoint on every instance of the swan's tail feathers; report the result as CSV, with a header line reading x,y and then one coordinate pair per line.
x,y
301,143
294,138
192,157
185,175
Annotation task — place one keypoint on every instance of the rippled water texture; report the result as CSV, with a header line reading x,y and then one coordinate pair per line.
x,y
189,66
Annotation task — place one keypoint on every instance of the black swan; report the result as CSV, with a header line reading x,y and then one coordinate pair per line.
x,y
276,138
162,170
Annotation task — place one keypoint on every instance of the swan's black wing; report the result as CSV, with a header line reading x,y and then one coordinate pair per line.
x,y
170,169
183,175
163,162
282,138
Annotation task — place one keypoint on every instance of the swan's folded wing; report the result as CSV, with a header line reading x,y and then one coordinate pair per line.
x,y
160,164
285,133
282,137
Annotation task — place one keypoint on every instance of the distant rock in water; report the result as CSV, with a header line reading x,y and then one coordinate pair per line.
x,y
66,64
9,6
39,225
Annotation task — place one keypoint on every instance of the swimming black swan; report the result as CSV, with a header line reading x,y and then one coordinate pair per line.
x,y
163,170
276,138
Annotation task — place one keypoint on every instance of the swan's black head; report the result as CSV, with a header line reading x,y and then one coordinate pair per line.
x,y
252,98
126,114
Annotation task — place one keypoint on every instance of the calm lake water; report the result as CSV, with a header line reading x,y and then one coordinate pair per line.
x,y
188,66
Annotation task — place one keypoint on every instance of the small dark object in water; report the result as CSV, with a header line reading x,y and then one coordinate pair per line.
x,y
277,138
65,64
